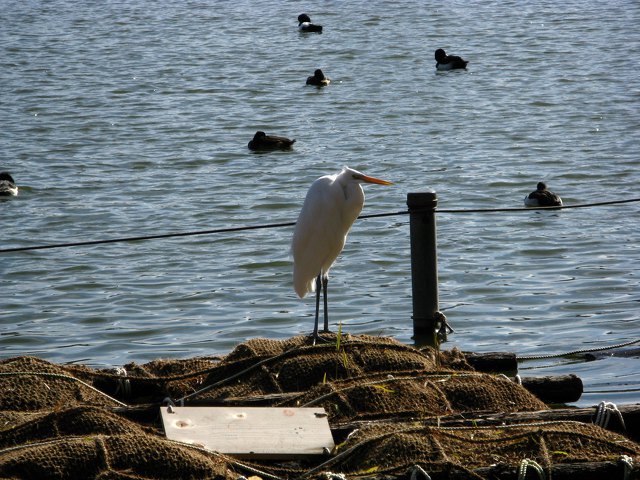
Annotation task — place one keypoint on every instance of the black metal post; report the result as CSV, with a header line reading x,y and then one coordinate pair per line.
x,y
424,266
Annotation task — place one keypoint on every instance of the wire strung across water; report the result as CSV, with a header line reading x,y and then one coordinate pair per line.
x,y
521,358
291,224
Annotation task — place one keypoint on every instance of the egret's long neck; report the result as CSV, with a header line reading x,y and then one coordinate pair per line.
x,y
354,200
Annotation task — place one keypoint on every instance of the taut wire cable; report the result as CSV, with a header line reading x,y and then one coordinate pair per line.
x,y
291,224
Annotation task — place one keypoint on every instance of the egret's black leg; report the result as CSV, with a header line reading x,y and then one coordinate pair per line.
x,y
318,287
325,282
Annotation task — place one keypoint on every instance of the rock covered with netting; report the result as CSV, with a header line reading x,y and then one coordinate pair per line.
x,y
383,399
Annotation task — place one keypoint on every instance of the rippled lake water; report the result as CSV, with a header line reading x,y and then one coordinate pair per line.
x,y
124,119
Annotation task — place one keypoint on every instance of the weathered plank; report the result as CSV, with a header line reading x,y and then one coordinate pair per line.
x,y
251,432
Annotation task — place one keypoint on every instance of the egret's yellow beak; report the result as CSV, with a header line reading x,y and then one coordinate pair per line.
x,y
368,179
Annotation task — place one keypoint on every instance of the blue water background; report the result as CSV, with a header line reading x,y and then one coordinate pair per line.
x,y
123,119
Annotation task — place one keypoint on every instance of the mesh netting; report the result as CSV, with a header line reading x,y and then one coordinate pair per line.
x,y
109,456
29,384
417,394
69,421
391,448
294,365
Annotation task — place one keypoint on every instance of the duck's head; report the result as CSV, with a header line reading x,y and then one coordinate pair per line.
x,y
303,17
541,186
319,75
259,135
440,55
6,176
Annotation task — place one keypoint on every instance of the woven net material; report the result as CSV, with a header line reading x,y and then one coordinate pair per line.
x,y
417,395
30,384
70,421
390,448
109,456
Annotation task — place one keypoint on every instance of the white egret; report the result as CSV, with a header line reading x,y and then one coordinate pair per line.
x,y
332,204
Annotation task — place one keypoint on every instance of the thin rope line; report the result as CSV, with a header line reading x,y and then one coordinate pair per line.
x,y
525,209
238,374
388,214
291,224
148,237
521,358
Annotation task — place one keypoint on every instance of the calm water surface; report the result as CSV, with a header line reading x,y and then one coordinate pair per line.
x,y
132,118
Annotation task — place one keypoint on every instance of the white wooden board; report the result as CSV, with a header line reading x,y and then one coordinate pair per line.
x,y
258,432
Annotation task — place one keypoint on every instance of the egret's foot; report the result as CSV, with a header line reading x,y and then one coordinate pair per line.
x,y
317,338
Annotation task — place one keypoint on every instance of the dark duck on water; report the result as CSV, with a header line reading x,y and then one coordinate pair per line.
x,y
262,141
318,79
448,62
305,25
542,197
8,186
